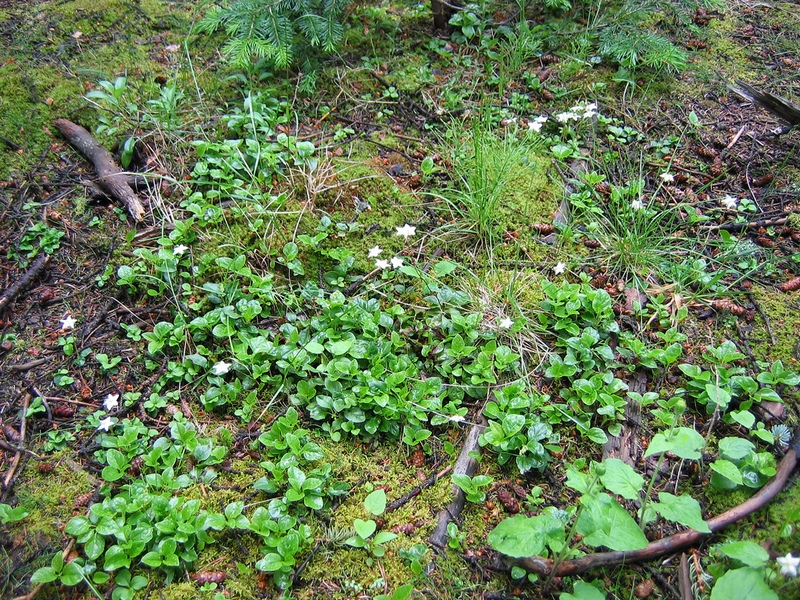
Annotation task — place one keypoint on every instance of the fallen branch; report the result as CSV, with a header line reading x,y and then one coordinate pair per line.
x,y
31,274
674,543
20,450
111,179
465,465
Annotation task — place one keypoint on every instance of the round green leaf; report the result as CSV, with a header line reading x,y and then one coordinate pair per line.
x,y
746,552
746,583
375,503
621,479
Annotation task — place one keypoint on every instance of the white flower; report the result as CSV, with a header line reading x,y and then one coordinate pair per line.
x,y
397,262
179,249
406,230
729,202
589,114
535,126
559,268
456,418
111,402
381,264
68,322
667,177
637,205
221,368
566,116
374,252
105,424
788,564
506,323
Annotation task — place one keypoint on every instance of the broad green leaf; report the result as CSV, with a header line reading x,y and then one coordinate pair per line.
x,y
735,448
270,563
78,526
681,509
620,478
746,552
746,583
684,442
314,348
94,546
522,536
116,558
583,591
728,470
603,522
44,575
512,424
364,528
72,574
375,503
597,435
717,395
444,267
383,536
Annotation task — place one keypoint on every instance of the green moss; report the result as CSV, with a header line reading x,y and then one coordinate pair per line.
x,y
783,323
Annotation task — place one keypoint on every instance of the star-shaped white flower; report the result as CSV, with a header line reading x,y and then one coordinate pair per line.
x,y
566,116
374,252
535,126
788,565
381,264
455,418
397,262
406,230
111,402
179,250
667,177
68,322
105,424
559,268
637,205
729,202
506,323
221,368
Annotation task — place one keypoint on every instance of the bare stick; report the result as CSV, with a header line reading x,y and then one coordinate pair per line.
x,y
417,489
20,447
110,178
465,465
674,543
31,274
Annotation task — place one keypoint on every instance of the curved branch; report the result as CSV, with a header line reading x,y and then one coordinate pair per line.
x,y
684,539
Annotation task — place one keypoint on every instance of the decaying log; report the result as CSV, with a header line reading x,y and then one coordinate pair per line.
x,y
111,179
626,446
674,543
465,465
780,107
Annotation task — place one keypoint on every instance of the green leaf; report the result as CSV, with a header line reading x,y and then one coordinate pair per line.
x,y
684,442
597,435
364,528
270,563
444,267
720,397
152,559
44,575
522,536
512,424
72,574
94,546
620,478
383,536
583,591
375,503
746,552
78,526
603,522
728,470
681,509
735,448
746,583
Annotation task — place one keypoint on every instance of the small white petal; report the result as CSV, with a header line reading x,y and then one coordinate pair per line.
x,y
221,368
667,177
729,202
406,230
397,262
506,323
637,205
788,565
374,252
179,249
535,126
456,419
68,322
559,268
105,424
382,264
111,402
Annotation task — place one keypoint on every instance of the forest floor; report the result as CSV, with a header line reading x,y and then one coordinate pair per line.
x,y
242,378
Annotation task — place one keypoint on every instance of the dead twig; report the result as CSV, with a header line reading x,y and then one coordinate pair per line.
x,y
544,566
417,489
31,274
111,179
20,447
